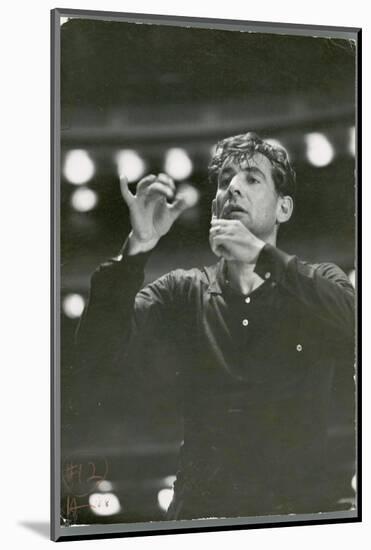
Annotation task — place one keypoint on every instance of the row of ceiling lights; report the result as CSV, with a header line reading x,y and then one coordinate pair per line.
x,y
79,166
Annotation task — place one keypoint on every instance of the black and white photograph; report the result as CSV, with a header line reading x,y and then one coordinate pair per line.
x,y
205,202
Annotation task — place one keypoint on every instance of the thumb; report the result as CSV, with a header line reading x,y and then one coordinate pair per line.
x,y
126,193
179,205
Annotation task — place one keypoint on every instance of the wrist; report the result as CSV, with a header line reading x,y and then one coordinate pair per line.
x,y
138,246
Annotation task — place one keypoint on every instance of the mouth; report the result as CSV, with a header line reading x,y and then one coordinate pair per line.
x,y
231,210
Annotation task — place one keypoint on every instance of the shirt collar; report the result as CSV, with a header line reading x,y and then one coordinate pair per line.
x,y
218,281
215,274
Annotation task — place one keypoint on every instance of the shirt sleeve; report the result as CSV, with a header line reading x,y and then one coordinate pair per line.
x,y
323,288
118,305
117,315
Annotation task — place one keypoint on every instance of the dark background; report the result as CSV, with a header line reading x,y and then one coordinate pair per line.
x,y
149,88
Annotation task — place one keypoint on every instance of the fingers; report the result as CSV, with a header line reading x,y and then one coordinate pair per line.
x,y
223,246
126,193
219,239
159,188
146,182
231,227
164,178
222,222
179,205
220,247
217,227
154,188
221,230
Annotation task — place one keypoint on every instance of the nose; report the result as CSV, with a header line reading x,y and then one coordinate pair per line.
x,y
234,187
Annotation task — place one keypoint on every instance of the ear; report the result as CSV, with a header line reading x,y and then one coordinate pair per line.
x,y
285,208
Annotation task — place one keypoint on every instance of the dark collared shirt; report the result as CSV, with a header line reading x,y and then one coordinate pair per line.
x,y
254,373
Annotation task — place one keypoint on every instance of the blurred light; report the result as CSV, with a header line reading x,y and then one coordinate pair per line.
x,y
189,193
352,140
84,199
319,150
178,164
347,500
164,498
352,277
104,485
354,483
131,164
73,305
169,481
78,167
105,504
64,20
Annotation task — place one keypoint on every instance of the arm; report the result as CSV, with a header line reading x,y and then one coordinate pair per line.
x,y
106,322
119,323
117,309
323,288
105,325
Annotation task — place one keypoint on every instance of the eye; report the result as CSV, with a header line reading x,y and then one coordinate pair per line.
x,y
253,180
224,180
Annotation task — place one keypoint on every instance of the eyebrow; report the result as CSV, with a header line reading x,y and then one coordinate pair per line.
x,y
253,169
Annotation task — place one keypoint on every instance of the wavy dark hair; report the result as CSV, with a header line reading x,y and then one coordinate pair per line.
x,y
242,147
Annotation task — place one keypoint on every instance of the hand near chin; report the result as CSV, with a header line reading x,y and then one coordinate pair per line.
x,y
231,240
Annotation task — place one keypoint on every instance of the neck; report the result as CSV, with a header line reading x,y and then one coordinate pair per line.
x,y
241,275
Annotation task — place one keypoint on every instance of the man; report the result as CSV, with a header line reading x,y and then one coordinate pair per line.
x,y
255,338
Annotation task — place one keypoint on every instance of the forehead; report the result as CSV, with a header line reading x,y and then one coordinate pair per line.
x,y
257,161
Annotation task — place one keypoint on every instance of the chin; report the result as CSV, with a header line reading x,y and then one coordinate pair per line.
x,y
236,214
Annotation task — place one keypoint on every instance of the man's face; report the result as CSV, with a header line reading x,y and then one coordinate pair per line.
x,y
246,192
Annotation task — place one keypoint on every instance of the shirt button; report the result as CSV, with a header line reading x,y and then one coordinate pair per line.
x,y
245,322
248,299
299,347
267,275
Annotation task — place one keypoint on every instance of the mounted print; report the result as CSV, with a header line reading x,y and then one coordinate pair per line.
x,y
205,268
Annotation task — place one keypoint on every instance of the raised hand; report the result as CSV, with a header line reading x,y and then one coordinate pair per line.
x,y
231,240
151,214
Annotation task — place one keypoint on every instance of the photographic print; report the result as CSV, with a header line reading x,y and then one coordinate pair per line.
x,y
205,264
